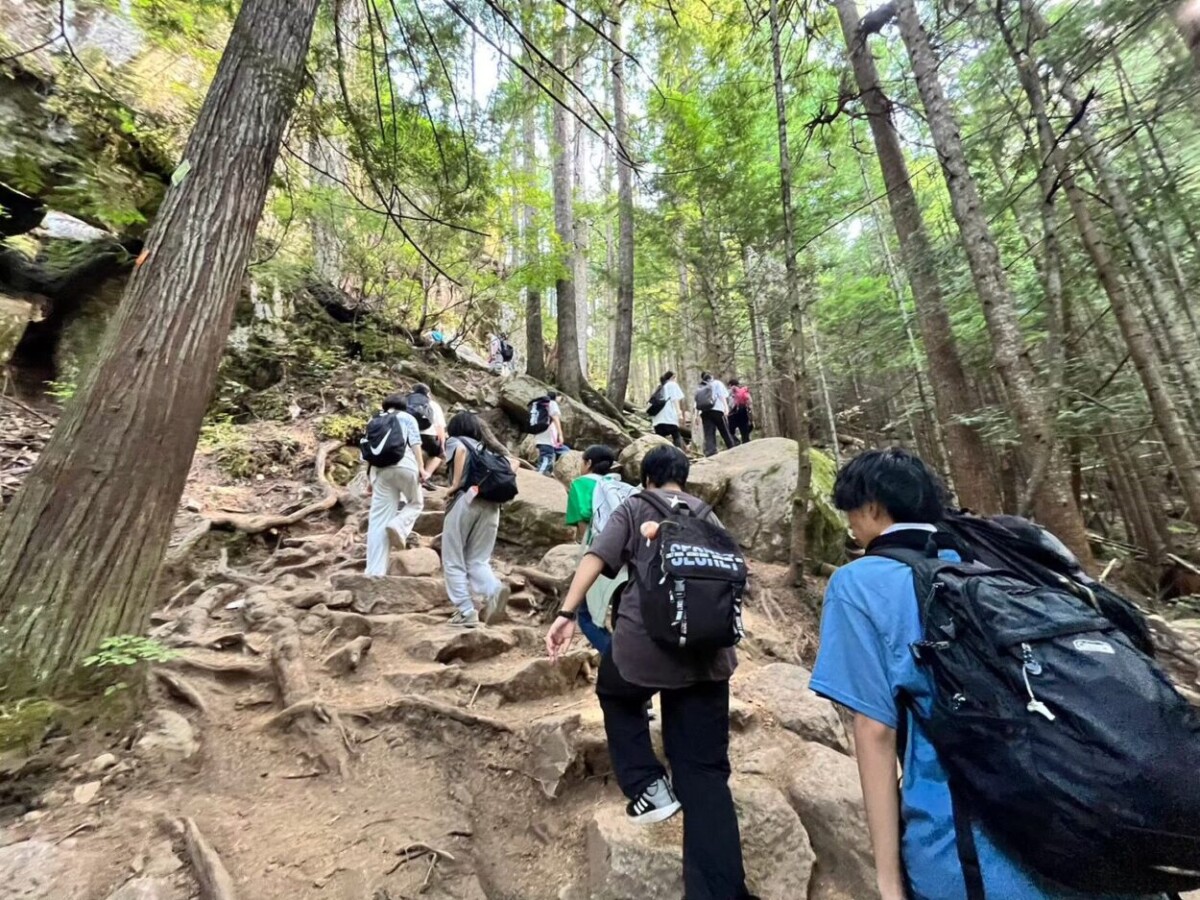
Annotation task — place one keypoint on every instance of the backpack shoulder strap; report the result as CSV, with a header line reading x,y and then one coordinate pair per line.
x,y
660,505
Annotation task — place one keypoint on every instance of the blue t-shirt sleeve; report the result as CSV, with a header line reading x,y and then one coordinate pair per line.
x,y
853,662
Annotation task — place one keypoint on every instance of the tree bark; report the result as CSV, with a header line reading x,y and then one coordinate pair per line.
x,y
1053,505
968,461
795,312
618,373
535,338
82,542
570,371
1189,28
582,227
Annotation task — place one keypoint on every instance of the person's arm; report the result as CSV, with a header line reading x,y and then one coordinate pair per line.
x,y
562,632
875,746
458,468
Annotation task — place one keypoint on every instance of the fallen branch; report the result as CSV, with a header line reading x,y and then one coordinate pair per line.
x,y
257,524
215,883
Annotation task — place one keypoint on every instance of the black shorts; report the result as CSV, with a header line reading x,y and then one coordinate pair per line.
x,y
431,446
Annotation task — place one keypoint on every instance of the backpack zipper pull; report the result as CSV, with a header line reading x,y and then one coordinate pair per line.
x,y
1032,667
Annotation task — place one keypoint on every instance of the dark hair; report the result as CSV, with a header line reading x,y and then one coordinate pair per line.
x,y
553,395
665,465
395,401
465,424
895,479
733,382
420,388
666,376
602,457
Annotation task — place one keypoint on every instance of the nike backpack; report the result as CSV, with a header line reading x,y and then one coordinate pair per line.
x,y
418,407
691,585
491,473
539,416
657,402
704,398
383,445
1066,743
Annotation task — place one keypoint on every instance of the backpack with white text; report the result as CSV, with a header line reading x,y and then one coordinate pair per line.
x,y
383,445
691,585
657,402
539,416
610,493
418,406
705,399
1065,742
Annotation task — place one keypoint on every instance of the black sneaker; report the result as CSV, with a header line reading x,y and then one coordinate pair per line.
x,y
656,803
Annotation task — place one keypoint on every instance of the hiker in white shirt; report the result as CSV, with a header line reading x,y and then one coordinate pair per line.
x,y
712,401
667,420
396,498
433,438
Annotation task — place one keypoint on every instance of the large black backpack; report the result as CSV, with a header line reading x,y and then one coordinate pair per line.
x,y
418,406
383,444
539,416
691,585
657,401
506,351
491,473
1060,737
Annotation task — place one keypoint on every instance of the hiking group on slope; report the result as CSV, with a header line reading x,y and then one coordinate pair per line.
x,y
727,412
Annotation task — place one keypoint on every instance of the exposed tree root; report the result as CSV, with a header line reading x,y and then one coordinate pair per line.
x,y
257,524
215,883
232,668
179,687
349,657
423,707
302,712
542,580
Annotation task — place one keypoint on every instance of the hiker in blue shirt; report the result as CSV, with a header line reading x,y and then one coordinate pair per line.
x,y
870,618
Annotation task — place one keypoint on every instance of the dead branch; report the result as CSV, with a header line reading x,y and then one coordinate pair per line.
x,y
215,883
257,524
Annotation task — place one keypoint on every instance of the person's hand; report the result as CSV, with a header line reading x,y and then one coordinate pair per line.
x,y
559,637
370,489
892,889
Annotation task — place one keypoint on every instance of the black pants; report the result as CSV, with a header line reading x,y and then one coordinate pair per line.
x,y
695,722
670,431
741,424
714,424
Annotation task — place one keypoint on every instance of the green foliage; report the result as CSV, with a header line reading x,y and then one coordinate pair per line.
x,y
24,723
344,427
128,650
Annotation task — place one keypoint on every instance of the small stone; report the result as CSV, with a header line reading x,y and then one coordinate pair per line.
x,y
161,860
169,738
101,764
71,761
419,563
86,793
146,889
311,624
34,815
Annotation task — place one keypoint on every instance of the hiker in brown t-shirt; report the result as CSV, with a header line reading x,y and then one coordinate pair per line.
x,y
694,691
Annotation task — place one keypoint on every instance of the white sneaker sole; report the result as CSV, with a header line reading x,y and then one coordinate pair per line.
x,y
661,814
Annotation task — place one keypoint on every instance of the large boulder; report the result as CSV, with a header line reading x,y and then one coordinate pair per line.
x,y
630,459
626,860
561,562
393,595
782,690
824,790
751,488
537,518
582,424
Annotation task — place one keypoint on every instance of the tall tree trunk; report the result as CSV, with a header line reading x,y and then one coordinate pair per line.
x,y
582,228
826,399
535,336
795,312
1053,505
1189,28
968,460
570,372
81,544
618,373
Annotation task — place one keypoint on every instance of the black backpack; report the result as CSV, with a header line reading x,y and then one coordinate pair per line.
x,y
539,416
1061,738
691,586
491,473
419,408
384,444
506,351
657,402
705,399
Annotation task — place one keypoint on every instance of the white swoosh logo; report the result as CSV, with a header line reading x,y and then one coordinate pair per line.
x,y
375,451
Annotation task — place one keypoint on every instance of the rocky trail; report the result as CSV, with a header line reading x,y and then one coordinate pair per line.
x,y
321,734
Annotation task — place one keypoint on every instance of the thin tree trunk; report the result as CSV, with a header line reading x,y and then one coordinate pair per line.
x,y
81,544
968,459
535,338
1189,28
570,372
618,373
1053,504
826,399
795,312
582,237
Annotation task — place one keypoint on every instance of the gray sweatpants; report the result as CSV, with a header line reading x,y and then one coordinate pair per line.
x,y
468,539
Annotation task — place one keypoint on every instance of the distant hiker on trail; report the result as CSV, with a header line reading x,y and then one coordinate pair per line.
x,y
433,431
741,411
712,402
501,354
880,659
666,409
545,424
645,658
481,478
591,501
392,450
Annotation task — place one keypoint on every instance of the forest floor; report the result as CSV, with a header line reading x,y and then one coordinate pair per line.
x,y
322,735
